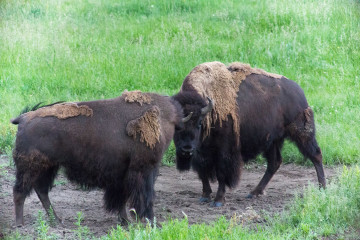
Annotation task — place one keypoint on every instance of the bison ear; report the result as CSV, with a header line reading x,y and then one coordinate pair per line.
x,y
147,126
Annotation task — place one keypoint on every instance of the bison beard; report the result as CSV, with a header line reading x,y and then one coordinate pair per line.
x,y
97,150
266,109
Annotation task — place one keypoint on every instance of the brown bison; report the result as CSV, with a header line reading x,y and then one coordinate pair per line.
x,y
249,112
114,144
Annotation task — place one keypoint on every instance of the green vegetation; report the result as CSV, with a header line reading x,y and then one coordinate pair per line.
x,y
83,50
42,228
86,49
82,232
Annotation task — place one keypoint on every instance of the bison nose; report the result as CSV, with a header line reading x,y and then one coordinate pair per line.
x,y
187,150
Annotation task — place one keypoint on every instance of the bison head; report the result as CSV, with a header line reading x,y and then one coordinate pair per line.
x,y
187,137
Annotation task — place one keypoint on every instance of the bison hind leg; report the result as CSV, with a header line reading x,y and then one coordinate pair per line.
x,y
21,190
302,132
274,160
42,186
311,150
29,175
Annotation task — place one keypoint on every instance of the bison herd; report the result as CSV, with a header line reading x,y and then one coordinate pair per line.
x,y
222,117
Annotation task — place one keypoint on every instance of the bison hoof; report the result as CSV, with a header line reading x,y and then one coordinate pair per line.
x,y
19,225
204,200
249,196
123,222
57,222
216,204
255,194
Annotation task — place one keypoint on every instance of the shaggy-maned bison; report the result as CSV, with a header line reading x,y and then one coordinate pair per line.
x,y
253,112
113,144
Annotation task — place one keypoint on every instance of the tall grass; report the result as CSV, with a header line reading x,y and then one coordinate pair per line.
x,y
82,50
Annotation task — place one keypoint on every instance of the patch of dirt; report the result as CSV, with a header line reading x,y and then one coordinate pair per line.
x,y
177,194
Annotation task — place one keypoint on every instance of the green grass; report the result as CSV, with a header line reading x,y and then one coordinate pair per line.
x,y
86,49
83,50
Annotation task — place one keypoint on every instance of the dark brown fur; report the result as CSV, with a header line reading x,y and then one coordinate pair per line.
x,y
95,151
270,108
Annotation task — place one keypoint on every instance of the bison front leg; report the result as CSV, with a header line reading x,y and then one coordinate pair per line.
x,y
206,189
150,194
142,193
228,170
274,159
122,217
115,200
220,195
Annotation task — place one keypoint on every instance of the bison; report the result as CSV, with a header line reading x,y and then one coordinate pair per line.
x,y
114,144
234,113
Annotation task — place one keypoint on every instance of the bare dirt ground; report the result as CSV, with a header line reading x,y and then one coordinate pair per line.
x,y
177,194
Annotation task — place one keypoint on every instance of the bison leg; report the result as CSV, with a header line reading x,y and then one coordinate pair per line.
x,y
317,161
311,150
21,190
220,195
302,132
42,187
149,194
142,192
274,159
115,200
206,190
228,171
19,199
123,219
44,198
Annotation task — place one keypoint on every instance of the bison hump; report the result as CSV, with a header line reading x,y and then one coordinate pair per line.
x,y
147,127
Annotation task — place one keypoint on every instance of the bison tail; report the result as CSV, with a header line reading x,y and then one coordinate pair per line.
x,y
142,192
15,121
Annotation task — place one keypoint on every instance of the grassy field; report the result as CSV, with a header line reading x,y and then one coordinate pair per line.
x,y
94,49
82,50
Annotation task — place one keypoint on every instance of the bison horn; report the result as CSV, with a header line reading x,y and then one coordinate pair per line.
x,y
187,118
208,108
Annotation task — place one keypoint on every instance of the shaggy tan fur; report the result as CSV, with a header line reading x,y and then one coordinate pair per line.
x,y
147,126
137,96
61,111
241,70
221,84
